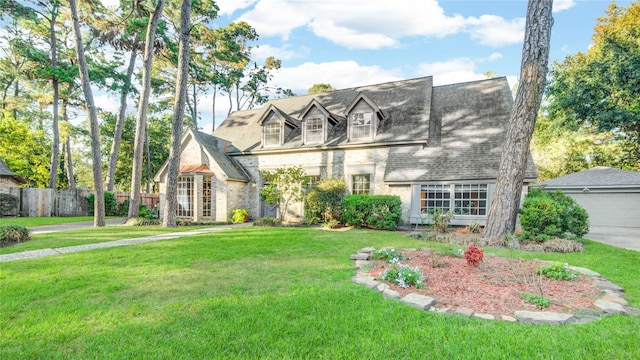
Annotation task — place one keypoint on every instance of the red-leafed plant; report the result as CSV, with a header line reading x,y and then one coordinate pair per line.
x,y
473,255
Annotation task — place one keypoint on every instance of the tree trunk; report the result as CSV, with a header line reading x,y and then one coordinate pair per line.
x,y
69,157
194,109
169,218
213,109
535,59
117,136
141,120
55,146
99,215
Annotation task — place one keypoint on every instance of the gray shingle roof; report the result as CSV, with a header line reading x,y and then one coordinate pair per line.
x,y
469,122
218,148
6,172
452,132
406,103
595,177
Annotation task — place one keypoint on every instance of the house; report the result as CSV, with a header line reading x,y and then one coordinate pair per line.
x,y
433,146
9,181
610,196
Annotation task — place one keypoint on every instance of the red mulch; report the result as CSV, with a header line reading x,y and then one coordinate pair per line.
x,y
495,286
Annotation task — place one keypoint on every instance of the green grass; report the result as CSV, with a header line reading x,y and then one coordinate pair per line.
x,y
89,236
41,221
271,293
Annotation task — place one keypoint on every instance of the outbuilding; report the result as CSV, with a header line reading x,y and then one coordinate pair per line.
x,y
610,196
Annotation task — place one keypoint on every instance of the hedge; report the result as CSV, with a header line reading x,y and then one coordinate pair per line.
x,y
374,211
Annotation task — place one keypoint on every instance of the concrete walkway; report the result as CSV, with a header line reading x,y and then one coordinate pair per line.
x,y
74,225
70,249
622,237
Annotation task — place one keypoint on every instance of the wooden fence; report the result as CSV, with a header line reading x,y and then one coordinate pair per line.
x,y
65,202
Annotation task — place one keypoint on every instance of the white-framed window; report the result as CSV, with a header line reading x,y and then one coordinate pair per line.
x,y
311,181
314,130
272,134
206,196
470,199
361,184
462,199
360,125
185,197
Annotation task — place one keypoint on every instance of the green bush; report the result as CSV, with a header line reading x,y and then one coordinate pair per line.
x,y
404,276
375,211
13,234
323,202
556,271
546,215
240,216
8,202
267,221
110,204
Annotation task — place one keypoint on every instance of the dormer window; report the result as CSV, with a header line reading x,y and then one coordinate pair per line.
x,y
364,118
272,134
314,130
360,125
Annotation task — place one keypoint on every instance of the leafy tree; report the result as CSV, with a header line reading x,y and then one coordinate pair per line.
x,y
600,89
284,187
319,88
24,150
535,58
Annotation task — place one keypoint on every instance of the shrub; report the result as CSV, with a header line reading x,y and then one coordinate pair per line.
x,y
540,301
13,234
8,202
323,202
546,215
267,221
391,255
375,211
556,271
440,219
110,204
331,224
122,209
473,255
240,216
404,276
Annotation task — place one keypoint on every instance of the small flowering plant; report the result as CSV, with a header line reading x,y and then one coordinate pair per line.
x,y
391,255
404,276
473,255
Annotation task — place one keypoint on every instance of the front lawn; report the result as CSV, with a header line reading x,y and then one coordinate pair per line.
x,y
271,293
89,236
41,221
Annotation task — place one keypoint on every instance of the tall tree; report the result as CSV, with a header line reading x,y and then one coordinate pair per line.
x,y
515,151
321,87
169,218
600,89
141,119
99,211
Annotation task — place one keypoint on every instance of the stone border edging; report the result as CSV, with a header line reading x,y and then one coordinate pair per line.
x,y
611,303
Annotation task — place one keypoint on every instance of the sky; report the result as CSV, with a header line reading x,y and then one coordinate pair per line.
x,y
349,43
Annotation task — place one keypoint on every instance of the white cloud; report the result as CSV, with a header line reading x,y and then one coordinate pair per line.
x,y
110,3
284,52
560,5
452,71
496,31
340,74
495,56
228,7
361,24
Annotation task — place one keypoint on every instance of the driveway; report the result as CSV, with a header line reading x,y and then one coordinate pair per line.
x,y
623,237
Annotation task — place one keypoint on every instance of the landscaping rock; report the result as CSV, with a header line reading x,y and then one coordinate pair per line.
x,y
381,287
418,301
543,317
368,281
610,307
367,250
508,318
359,256
463,312
391,294
615,299
445,310
361,264
583,271
484,316
608,285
